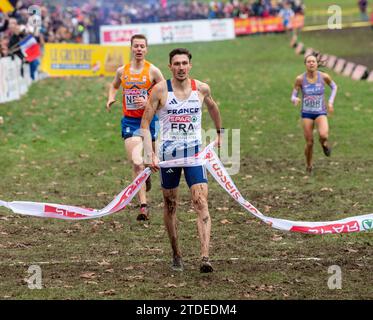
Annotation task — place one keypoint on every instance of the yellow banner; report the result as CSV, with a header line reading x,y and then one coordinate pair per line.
x,y
85,60
6,6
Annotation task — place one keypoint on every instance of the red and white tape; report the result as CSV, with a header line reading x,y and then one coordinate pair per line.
x,y
218,171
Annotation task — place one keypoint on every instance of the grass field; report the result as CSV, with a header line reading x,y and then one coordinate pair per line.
x,y
59,145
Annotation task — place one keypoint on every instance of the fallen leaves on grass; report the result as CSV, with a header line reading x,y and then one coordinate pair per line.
x,y
222,208
129,268
104,263
109,270
225,221
96,224
249,295
88,275
100,194
172,285
138,277
349,250
326,189
77,227
247,176
263,288
276,237
110,292
116,225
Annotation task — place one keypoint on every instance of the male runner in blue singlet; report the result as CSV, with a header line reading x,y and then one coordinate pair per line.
x,y
178,103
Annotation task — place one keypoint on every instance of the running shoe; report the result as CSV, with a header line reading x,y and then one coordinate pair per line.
x,y
205,265
327,150
144,214
177,264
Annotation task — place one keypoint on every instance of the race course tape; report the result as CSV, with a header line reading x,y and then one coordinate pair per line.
x,y
218,171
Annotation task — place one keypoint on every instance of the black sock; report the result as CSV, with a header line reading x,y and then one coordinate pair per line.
x,y
143,205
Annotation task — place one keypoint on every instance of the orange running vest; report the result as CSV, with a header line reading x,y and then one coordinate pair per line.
x,y
135,85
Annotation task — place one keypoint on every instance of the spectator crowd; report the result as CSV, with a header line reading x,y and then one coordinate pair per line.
x,y
79,21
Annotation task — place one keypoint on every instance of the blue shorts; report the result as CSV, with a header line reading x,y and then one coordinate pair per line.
x,y
131,127
312,116
170,177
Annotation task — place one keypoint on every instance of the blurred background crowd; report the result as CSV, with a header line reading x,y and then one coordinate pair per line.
x,y
78,21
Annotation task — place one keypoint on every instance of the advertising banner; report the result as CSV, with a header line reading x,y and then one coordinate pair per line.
x,y
263,25
297,22
65,59
170,32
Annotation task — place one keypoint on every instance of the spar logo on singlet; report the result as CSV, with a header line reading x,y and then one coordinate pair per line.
x,y
131,94
183,120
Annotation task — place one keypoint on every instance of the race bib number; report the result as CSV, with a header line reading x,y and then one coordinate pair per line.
x,y
313,103
130,96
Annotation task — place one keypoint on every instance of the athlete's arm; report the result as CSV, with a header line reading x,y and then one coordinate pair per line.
x,y
156,74
328,80
114,86
152,105
294,95
156,77
213,110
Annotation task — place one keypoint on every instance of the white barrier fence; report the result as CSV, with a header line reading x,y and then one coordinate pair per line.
x,y
348,69
15,79
170,32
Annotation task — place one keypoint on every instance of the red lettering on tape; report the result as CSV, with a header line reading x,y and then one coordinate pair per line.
x,y
62,212
351,226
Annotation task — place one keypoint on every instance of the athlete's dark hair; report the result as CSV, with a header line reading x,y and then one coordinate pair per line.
x,y
321,61
180,51
139,36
